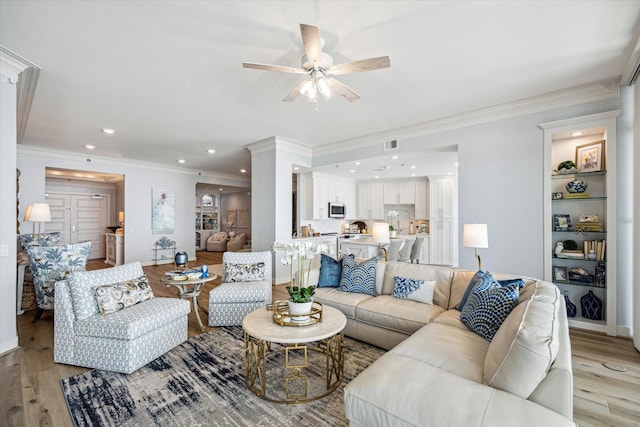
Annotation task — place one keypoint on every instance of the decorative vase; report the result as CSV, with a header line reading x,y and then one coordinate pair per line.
x,y
393,234
576,186
591,306
300,308
182,258
572,310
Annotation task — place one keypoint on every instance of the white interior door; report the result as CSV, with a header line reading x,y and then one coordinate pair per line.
x,y
80,217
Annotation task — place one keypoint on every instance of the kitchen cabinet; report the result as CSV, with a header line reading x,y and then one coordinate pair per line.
x,y
370,201
327,189
399,193
421,211
115,249
443,221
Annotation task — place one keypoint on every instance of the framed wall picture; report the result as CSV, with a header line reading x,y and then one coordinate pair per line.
x,y
560,274
562,222
232,219
590,157
163,211
243,218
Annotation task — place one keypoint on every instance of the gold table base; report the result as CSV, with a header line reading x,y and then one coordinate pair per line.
x,y
257,351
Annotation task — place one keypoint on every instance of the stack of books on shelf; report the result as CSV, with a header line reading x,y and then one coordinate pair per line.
x,y
575,254
589,226
599,247
584,195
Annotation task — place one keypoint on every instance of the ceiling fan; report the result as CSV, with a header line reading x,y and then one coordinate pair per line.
x,y
319,68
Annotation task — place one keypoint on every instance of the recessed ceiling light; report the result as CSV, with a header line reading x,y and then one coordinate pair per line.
x,y
413,166
295,168
352,171
211,151
449,173
395,157
56,173
357,163
108,131
89,146
413,174
377,176
576,134
181,160
221,189
243,171
456,164
90,176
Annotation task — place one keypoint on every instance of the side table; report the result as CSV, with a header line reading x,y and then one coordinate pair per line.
x,y
190,289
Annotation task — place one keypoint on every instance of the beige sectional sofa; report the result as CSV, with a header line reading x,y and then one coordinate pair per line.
x,y
440,373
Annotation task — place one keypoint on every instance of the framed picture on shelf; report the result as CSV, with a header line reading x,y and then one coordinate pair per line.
x,y
560,274
590,157
562,222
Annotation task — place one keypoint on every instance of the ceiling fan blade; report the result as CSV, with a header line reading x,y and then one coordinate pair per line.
x,y
343,90
311,41
294,92
361,65
280,68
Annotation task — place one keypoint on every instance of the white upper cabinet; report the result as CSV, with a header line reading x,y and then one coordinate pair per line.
x,y
370,203
335,190
399,193
421,197
441,198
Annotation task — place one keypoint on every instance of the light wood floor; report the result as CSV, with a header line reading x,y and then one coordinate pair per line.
x,y
30,394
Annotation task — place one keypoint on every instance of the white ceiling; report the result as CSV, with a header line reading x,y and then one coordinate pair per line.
x,y
167,76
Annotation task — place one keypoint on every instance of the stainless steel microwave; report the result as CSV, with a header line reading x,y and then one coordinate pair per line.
x,y
337,210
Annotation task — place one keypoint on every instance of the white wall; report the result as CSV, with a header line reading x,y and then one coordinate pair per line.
x,y
140,178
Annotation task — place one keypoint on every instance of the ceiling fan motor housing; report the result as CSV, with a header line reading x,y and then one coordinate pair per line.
x,y
327,62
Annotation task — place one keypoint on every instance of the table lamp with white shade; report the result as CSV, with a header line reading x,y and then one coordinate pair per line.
x,y
38,212
381,236
475,236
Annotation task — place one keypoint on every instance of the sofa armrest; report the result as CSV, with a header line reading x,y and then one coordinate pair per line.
x,y
64,324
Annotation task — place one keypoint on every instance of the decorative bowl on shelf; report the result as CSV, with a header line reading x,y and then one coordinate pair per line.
x,y
568,166
576,186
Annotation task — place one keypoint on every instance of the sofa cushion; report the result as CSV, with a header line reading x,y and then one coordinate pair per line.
x,y
526,344
486,308
442,276
330,271
232,272
396,314
241,292
359,278
451,318
346,302
414,289
135,321
115,297
451,349
81,286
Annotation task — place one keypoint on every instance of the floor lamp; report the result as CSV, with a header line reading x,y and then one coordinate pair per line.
x,y
381,236
475,236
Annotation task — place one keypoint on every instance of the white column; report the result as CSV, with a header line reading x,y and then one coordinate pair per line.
x,y
10,67
636,219
272,163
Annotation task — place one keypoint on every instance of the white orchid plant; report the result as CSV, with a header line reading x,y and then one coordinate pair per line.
x,y
300,253
392,215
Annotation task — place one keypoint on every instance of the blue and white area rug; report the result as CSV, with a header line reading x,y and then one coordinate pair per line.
x,y
201,383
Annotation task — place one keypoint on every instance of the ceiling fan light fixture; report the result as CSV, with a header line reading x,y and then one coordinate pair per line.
x,y
324,87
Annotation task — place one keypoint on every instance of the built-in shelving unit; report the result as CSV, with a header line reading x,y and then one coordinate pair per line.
x,y
586,220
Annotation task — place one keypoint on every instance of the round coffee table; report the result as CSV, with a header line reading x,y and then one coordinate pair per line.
x,y
190,289
325,337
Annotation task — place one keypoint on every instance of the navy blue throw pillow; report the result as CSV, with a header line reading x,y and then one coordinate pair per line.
x,y
518,282
487,308
482,280
330,271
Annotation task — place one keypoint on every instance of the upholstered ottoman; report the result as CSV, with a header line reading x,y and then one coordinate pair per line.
x,y
246,285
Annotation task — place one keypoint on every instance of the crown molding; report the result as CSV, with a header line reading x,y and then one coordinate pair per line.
x,y
582,94
12,64
280,143
27,82
68,155
582,119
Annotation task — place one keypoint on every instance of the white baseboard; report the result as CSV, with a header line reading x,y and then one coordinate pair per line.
x,y
8,345
623,331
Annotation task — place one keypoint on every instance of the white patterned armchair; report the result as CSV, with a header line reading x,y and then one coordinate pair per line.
x,y
126,338
246,286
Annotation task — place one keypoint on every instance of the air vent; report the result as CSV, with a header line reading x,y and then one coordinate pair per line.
x,y
391,145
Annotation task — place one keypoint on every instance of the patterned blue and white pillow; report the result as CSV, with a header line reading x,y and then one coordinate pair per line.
x,y
482,280
359,278
414,289
330,271
117,296
244,272
486,309
44,239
